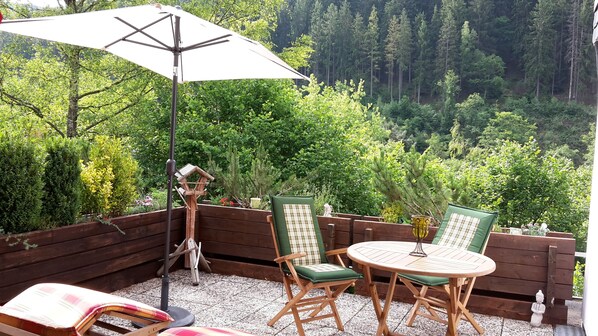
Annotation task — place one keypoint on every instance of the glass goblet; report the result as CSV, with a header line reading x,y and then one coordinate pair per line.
x,y
420,226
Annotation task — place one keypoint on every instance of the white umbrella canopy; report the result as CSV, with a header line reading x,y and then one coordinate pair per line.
x,y
145,35
170,42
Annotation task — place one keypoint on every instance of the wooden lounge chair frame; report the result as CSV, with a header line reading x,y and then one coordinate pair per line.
x,y
420,285
49,309
293,274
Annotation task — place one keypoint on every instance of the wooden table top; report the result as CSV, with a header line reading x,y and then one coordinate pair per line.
x,y
442,261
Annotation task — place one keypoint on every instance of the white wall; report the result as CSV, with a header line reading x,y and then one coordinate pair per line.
x,y
590,295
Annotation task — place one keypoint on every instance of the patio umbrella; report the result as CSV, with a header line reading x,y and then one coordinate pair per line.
x,y
170,42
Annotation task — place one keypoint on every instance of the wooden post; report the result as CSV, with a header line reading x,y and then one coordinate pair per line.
x,y
331,236
368,235
191,200
551,275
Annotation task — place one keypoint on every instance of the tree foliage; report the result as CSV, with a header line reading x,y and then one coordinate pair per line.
x,y
109,178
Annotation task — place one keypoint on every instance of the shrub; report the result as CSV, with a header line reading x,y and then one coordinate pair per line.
x,y
393,213
21,181
578,279
61,199
109,184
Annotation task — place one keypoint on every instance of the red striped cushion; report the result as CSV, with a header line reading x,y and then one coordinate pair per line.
x,y
51,309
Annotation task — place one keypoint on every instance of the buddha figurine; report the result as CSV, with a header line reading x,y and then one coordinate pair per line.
x,y
538,309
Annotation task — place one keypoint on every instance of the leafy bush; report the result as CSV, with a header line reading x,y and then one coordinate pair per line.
x,y
109,184
522,184
578,279
61,198
394,213
21,181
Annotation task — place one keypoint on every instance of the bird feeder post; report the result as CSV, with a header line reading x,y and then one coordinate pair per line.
x,y
192,184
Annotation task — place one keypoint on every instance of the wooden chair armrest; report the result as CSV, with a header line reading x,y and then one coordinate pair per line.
x,y
336,251
289,257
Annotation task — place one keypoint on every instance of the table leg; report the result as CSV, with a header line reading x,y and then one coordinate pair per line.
x,y
453,315
382,326
381,313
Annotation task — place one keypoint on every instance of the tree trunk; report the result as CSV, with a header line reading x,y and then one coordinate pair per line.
x,y
400,81
371,75
73,109
390,79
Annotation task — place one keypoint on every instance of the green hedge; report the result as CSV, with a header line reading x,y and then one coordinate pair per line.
x,y
20,187
61,198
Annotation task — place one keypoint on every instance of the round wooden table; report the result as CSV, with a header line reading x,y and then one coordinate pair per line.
x,y
442,261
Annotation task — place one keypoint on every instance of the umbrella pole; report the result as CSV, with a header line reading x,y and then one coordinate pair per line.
x,y
181,316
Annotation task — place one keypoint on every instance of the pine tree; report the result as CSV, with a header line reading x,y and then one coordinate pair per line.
x,y
345,42
372,40
481,20
360,47
318,35
468,52
330,25
446,58
576,34
392,51
423,54
539,47
405,47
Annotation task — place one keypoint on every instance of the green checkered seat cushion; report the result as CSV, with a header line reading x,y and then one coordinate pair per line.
x,y
297,230
461,227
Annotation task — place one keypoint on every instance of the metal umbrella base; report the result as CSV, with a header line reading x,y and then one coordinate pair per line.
x,y
181,316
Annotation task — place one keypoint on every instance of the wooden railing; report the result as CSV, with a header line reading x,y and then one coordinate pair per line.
x,y
238,241
525,264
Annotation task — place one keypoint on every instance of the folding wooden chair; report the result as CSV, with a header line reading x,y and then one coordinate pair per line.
x,y
51,309
464,228
303,261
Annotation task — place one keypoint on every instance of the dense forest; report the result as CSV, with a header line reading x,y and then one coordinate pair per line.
x,y
442,68
405,47
411,105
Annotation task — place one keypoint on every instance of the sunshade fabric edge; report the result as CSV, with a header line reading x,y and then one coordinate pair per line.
x,y
237,58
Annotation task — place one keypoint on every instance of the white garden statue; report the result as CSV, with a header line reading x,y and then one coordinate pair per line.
x,y
327,210
538,309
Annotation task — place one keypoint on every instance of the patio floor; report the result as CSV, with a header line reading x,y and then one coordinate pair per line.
x,y
248,304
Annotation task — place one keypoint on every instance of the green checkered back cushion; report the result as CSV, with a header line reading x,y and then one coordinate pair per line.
x,y
465,228
297,229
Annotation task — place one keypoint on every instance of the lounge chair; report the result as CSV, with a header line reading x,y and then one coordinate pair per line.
x,y
51,309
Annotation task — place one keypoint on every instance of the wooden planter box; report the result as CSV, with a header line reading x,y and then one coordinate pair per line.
x,y
238,241
92,255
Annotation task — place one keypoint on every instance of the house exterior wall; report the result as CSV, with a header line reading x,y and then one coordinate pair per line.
x,y
590,295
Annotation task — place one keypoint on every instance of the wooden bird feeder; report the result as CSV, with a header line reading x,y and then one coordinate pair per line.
x,y
193,180
192,184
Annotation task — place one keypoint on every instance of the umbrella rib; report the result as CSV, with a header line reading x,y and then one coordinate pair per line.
x,y
141,31
207,43
280,65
